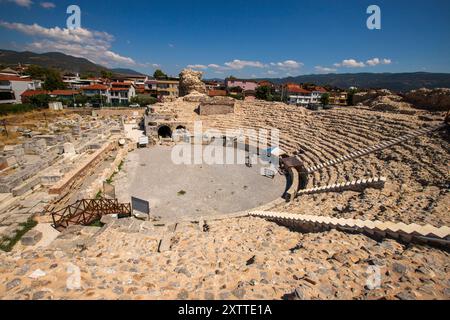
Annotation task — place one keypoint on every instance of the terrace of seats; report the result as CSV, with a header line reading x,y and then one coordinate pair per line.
x,y
416,167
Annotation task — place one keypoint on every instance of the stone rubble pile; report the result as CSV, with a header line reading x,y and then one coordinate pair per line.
x,y
41,161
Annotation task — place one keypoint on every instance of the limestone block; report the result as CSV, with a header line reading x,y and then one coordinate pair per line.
x,y
69,148
31,238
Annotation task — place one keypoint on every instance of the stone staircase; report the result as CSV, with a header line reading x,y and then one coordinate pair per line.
x,y
359,185
427,234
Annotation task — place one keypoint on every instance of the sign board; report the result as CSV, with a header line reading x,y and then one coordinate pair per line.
x,y
143,141
268,172
140,205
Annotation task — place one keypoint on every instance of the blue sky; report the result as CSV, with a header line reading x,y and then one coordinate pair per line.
x,y
261,38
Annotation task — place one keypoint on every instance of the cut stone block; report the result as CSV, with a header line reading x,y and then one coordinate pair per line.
x,y
31,238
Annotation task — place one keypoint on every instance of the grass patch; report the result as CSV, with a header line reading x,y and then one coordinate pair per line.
x,y
99,195
111,179
97,223
7,244
181,193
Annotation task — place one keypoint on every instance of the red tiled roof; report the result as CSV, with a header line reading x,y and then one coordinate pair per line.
x,y
95,87
30,93
64,92
217,93
121,84
321,89
13,78
296,88
120,89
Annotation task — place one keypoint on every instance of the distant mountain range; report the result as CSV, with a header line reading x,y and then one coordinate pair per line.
x,y
398,82
57,60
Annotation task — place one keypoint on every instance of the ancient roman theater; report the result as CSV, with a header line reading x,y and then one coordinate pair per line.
x,y
356,209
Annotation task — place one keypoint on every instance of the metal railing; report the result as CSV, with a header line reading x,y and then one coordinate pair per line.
x,y
85,212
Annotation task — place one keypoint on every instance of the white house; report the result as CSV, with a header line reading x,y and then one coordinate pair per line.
x,y
12,87
121,93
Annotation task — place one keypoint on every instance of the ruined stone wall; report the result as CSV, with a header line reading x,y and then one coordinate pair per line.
x,y
191,81
436,99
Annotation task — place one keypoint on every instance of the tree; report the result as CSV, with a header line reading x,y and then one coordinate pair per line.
x,y
263,92
267,93
40,100
37,72
144,100
158,74
350,95
53,81
87,75
325,99
106,74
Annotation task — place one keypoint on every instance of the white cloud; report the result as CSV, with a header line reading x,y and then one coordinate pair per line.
x,y
325,69
350,63
287,65
373,62
197,66
214,66
376,61
48,5
89,44
241,64
22,3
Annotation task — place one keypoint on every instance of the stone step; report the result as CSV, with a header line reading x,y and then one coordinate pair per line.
x,y
407,233
359,185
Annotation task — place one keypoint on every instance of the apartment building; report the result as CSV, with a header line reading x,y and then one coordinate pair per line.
x,y
121,93
245,85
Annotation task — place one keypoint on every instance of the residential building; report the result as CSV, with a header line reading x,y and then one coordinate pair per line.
x,y
213,85
121,93
245,85
316,94
97,90
12,87
295,94
134,79
151,87
167,88
74,82
339,98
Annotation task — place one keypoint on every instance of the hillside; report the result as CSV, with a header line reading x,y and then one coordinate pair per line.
x,y
57,60
125,71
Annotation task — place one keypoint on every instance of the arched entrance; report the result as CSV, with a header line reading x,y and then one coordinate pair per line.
x,y
165,132
181,128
